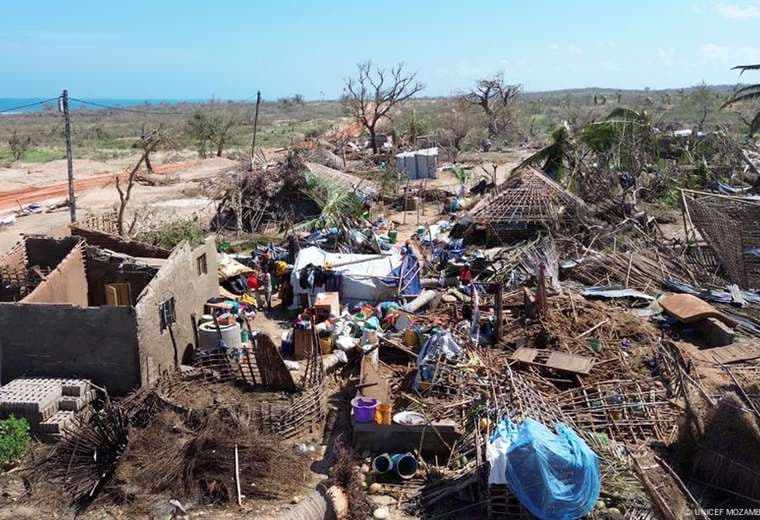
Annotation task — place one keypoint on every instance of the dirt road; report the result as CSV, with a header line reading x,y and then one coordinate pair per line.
x,y
30,194
181,199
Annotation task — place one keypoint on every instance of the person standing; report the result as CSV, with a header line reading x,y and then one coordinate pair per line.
x,y
268,288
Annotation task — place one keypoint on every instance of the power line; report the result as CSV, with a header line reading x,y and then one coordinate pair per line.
x,y
13,109
122,109
135,111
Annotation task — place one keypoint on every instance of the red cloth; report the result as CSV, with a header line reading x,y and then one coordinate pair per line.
x,y
253,282
465,276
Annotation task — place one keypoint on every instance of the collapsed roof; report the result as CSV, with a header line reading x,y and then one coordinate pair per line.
x,y
528,197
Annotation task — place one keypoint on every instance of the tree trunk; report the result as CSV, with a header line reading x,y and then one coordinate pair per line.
x,y
220,148
148,166
373,139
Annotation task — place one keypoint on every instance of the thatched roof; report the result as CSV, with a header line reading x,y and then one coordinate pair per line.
x,y
344,180
527,197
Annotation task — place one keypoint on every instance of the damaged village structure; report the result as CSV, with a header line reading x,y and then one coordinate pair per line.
x,y
482,347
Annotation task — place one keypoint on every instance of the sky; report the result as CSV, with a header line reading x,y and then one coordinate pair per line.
x,y
229,49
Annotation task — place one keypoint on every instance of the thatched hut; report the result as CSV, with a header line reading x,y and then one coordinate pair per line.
x,y
527,202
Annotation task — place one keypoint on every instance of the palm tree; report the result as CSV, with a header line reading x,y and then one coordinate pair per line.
x,y
747,93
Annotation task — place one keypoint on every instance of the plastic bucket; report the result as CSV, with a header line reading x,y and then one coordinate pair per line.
x,y
384,413
364,409
404,464
382,463
392,236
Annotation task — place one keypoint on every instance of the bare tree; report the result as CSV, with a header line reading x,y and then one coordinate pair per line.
x,y
19,145
375,91
457,124
497,99
126,192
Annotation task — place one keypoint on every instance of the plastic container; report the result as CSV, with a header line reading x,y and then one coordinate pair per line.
x,y
405,465
382,463
410,338
392,236
326,345
364,409
384,413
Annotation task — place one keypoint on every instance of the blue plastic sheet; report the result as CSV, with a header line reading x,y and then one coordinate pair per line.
x,y
410,285
553,475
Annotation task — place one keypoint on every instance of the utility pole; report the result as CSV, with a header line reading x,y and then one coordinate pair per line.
x,y
64,107
253,162
255,124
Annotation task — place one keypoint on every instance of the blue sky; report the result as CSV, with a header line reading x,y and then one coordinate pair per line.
x,y
229,49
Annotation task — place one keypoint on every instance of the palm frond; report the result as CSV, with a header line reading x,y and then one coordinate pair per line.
x,y
744,68
743,94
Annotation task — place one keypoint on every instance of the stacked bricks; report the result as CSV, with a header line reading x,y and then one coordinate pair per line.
x,y
48,404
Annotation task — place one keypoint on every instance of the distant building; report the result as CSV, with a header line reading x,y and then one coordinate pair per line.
x,y
95,306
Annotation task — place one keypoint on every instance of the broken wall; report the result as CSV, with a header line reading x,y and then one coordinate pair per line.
x,y
48,252
103,269
13,273
57,340
182,280
66,282
119,244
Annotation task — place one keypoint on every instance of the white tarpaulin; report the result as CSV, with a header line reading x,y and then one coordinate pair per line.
x,y
362,275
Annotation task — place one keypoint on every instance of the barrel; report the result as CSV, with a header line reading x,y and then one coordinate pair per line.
x,y
208,337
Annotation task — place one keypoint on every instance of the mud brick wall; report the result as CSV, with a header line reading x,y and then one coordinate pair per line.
x,y
66,283
179,279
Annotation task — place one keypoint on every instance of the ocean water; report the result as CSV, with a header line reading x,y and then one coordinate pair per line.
x,y
12,103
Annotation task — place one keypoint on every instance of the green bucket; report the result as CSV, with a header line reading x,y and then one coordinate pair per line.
x,y
392,236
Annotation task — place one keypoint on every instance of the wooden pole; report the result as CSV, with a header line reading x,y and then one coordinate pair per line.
x,y
255,126
237,476
69,157
499,304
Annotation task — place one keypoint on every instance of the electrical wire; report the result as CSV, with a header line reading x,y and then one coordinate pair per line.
x,y
135,111
122,109
13,109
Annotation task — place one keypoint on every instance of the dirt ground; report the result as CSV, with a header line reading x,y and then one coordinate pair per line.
x,y
182,198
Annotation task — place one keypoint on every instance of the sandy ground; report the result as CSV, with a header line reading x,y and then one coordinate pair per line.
x,y
182,198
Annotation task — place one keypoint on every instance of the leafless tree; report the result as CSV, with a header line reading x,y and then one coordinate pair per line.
x,y
375,91
126,192
497,99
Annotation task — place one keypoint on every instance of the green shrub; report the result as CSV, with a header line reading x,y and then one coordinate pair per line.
x,y
14,438
169,234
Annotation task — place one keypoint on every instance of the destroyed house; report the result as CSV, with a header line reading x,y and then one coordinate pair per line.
x,y
95,306
527,202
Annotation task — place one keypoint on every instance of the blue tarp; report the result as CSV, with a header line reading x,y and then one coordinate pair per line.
x,y
554,476
410,268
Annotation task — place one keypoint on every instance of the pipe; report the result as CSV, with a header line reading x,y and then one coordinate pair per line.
x,y
420,301
404,464
382,463
434,283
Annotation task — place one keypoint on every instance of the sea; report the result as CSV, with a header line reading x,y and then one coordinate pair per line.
x,y
10,106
